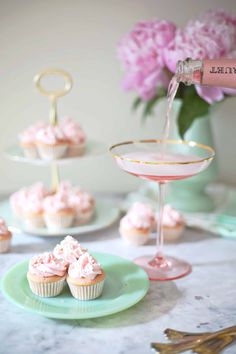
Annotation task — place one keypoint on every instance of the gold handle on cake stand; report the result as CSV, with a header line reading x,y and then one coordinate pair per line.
x,y
53,94
55,177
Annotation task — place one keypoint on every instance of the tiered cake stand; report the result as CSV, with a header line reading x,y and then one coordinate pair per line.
x,y
105,213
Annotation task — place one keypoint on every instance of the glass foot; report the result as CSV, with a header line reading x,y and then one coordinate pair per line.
x,y
163,268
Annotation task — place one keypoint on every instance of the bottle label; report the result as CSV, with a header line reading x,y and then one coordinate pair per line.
x,y
221,72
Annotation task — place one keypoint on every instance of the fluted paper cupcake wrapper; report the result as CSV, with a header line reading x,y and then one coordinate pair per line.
x,y
34,221
5,245
47,152
75,150
57,221
47,289
30,152
86,292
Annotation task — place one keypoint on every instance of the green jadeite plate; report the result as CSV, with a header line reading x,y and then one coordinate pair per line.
x,y
105,215
125,285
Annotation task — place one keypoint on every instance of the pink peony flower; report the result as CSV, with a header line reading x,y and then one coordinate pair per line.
x,y
141,52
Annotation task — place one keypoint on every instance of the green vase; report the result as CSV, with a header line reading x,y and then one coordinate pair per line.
x,y
190,195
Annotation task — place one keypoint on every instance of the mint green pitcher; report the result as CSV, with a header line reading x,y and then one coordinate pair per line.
x,y
190,195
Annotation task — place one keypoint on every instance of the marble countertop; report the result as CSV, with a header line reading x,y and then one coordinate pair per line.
x,y
202,301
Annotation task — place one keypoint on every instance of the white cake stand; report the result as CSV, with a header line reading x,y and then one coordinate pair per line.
x,y
105,214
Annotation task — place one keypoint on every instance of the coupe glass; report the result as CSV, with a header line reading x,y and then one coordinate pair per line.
x,y
162,162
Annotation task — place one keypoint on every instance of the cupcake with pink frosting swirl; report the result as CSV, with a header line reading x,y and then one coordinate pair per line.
x,y
51,142
69,250
5,237
75,136
137,224
46,275
58,213
173,224
28,140
33,213
27,204
85,278
84,205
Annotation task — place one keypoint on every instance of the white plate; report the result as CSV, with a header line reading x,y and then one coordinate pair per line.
x,y
105,215
92,148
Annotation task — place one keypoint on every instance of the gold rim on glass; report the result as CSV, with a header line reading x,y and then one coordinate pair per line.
x,y
179,142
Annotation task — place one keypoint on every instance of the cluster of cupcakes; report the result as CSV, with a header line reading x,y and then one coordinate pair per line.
x,y
141,220
68,262
5,237
38,207
49,142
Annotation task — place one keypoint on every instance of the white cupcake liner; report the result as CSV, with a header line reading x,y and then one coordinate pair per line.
x,y
86,292
172,234
47,289
52,152
5,245
134,239
75,150
83,218
58,221
30,151
34,221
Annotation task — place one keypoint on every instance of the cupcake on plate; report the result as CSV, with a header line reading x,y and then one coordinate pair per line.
x,y
28,140
69,250
17,201
33,211
137,224
22,201
51,143
46,275
74,135
58,213
83,204
5,237
173,224
86,278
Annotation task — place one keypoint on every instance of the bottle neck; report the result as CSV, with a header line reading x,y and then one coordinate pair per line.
x,y
189,71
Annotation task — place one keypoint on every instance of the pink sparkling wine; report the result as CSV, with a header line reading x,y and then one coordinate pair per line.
x,y
177,166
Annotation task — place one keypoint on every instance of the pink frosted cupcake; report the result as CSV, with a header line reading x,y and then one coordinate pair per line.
x,y
83,204
28,140
136,225
5,237
75,136
173,224
69,250
85,278
51,143
46,275
17,201
58,213
27,203
33,211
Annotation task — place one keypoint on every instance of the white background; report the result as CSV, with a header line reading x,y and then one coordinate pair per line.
x,y
81,37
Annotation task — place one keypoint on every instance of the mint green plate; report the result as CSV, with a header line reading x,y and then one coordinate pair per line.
x,y
105,215
125,285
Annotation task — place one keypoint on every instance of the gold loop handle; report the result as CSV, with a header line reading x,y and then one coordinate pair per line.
x,y
53,72
53,94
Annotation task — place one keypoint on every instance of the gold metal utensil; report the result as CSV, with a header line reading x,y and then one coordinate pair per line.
x,y
199,343
53,95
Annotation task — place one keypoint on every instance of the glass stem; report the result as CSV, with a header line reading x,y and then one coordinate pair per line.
x,y
160,240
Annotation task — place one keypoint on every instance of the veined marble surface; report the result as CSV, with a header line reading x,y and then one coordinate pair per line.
x,y
202,301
